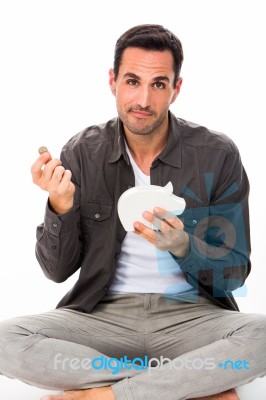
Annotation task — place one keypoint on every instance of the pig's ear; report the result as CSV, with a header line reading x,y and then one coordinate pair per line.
x,y
169,188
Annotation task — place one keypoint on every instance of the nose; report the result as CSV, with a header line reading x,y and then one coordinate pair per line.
x,y
144,96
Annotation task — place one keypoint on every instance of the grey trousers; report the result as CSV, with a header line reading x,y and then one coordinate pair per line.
x,y
145,345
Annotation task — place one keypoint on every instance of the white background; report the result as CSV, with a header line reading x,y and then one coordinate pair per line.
x,y
55,57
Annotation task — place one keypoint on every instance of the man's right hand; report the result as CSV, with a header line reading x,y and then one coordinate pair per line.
x,y
51,176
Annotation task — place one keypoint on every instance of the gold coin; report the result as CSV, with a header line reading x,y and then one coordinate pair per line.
x,y
42,149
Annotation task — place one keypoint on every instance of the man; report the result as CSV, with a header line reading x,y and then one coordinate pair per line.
x,y
162,293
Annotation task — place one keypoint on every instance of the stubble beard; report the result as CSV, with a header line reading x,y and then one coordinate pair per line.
x,y
140,128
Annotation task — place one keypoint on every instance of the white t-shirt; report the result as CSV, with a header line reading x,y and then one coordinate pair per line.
x,y
141,267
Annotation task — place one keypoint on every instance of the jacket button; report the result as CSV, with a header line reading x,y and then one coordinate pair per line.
x,y
97,216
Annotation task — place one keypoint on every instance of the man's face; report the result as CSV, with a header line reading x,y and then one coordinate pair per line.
x,y
144,89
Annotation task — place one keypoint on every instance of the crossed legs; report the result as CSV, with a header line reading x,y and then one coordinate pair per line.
x,y
47,350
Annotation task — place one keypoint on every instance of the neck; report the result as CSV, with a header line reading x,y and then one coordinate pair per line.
x,y
145,148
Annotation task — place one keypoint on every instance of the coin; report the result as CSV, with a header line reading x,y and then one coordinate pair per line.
x,y
42,149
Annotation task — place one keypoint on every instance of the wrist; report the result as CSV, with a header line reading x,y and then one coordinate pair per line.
x,y
60,206
183,248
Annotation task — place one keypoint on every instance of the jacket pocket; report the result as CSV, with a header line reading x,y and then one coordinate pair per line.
x,y
96,211
95,221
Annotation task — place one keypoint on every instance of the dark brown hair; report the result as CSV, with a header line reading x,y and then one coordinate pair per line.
x,y
149,37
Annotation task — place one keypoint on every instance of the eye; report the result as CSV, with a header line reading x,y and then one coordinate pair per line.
x,y
132,82
159,85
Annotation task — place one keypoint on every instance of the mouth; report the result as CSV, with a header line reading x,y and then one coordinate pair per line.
x,y
141,114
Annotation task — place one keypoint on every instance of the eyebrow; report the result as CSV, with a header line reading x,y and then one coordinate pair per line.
x,y
156,79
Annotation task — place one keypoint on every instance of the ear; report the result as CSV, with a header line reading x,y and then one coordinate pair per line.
x,y
177,89
112,81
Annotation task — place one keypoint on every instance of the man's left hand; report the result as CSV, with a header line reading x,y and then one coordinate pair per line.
x,y
171,235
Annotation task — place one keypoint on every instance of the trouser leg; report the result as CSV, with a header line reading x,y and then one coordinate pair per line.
x,y
39,349
199,339
52,350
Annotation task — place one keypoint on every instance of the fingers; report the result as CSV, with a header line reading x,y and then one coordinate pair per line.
x,y
50,175
37,168
168,217
163,241
163,220
170,237
145,232
61,180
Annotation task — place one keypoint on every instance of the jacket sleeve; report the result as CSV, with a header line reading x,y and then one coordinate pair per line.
x,y
219,258
59,246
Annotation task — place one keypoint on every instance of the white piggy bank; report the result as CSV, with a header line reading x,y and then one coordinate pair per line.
x,y
133,202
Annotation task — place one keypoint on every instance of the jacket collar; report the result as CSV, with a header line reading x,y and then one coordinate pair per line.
x,y
171,155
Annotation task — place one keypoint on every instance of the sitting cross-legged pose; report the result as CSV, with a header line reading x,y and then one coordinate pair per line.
x,y
152,314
